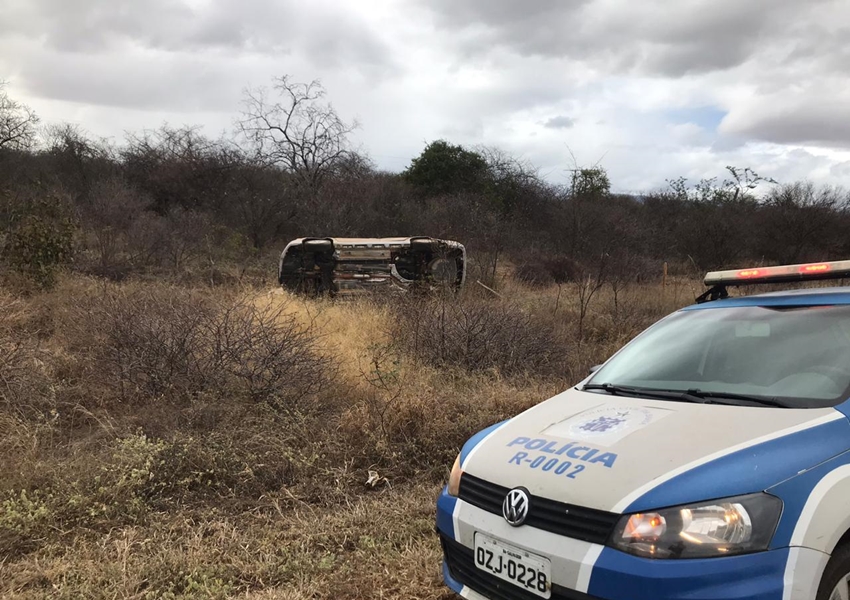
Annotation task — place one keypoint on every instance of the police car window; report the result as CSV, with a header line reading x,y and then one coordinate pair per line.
x,y
800,354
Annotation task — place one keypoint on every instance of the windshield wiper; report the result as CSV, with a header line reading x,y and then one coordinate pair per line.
x,y
692,395
763,400
640,392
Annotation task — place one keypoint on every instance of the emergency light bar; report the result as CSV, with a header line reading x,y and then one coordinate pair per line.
x,y
720,280
839,269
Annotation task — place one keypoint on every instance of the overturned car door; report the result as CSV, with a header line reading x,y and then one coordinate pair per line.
x,y
347,266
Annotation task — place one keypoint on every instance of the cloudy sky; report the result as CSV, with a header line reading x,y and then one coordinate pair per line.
x,y
651,89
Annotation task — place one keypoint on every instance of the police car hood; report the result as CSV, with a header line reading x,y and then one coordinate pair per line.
x,y
629,454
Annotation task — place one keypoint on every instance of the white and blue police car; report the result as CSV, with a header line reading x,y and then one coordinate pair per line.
x,y
708,459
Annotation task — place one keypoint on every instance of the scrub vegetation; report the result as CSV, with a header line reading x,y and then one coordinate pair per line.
x,y
165,441
173,425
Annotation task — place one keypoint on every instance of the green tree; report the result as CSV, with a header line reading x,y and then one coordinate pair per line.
x,y
39,238
584,212
590,183
444,168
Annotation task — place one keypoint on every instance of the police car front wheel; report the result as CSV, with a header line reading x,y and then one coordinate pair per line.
x,y
835,584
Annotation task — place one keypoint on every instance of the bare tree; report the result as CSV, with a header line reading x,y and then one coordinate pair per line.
x,y
112,209
170,241
799,221
187,229
261,204
590,283
17,123
180,167
296,130
621,273
78,160
562,269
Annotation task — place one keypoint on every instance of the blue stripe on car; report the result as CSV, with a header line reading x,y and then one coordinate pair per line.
x,y
445,503
844,408
456,586
477,438
795,492
445,511
750,470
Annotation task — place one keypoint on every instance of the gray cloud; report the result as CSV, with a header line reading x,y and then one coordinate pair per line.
x,y
768,49
607,78
182,83
654,36
90,26
559,122
124,52
818,122
545,30
814,110
498,13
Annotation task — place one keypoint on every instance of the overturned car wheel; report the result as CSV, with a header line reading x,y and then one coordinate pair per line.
x,y
443,271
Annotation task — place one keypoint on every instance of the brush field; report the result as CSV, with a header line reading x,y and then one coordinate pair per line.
x,y
187,441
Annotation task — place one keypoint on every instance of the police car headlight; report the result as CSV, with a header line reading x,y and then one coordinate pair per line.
x,y
718,528
454,478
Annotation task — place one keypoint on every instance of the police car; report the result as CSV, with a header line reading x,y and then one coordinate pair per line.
x,y
707,459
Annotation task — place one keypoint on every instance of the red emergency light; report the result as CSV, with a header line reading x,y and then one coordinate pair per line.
x,y
839,269
821,268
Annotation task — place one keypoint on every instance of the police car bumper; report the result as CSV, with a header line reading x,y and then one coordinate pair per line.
x,y
585,571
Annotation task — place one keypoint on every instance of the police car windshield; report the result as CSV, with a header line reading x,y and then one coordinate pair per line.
x,y
800,355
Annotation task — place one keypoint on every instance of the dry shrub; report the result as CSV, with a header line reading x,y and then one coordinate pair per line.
x,y
477,335
414,427
563,269
23,445
112,209
139,472
533,273
126,479
267,352
23,383
137,343
25,386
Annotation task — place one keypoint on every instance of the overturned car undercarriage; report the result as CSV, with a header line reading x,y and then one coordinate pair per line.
x,y
348,266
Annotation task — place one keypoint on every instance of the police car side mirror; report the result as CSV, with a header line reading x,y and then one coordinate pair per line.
x,y
593,369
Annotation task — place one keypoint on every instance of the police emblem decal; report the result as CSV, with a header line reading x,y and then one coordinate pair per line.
x,y
602,424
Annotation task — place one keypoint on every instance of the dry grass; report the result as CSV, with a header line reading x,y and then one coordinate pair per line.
x,y
349,328
154,478
378,546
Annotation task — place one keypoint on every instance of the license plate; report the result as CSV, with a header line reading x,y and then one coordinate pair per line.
x,y
514,565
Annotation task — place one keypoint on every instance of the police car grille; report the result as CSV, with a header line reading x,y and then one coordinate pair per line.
x,y
461,563
578,522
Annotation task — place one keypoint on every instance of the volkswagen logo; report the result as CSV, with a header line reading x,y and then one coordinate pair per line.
x,y
515,507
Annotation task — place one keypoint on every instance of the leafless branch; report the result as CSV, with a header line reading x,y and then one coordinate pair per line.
x,y
296,130
17,123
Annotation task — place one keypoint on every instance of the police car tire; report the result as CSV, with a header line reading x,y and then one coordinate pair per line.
x,y
837,568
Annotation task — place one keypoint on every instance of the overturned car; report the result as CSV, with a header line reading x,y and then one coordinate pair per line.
x,y
347,266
